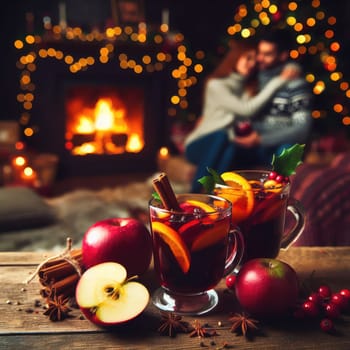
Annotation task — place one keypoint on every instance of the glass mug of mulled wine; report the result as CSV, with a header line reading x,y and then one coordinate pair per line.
x,y
193,249
260,207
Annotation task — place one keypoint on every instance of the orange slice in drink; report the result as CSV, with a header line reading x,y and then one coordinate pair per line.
x,y
239,192
175,243
190,230
204,206
211,235
272,186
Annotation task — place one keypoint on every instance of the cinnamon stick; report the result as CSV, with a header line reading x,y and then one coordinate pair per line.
x,y
65,286
57,269
59,276
74,254
162,186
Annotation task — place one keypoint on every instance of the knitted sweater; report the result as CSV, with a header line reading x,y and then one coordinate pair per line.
x,y
286,119
225,98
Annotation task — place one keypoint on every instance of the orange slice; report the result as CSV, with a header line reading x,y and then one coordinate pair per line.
x,y
160,214
204,206
175,243
239,193
190,230
272,186
211,235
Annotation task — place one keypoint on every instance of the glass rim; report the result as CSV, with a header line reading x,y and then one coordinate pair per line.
x,y
192,195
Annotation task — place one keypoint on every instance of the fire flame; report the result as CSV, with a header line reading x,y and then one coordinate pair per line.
x,y
104,123
104,116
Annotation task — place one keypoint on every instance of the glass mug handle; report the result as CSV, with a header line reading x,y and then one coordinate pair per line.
x,y
298,213
235,250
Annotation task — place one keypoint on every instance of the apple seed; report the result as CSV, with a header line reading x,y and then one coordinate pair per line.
x,y
112,292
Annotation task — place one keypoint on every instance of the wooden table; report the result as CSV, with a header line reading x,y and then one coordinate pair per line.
x,y
23,325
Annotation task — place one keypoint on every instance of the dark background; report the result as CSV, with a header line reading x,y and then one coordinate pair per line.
x,y
203,24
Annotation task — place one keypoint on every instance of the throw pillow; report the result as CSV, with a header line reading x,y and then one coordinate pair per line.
x,y
21,208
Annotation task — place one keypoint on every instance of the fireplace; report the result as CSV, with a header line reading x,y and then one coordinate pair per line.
x,y
104,120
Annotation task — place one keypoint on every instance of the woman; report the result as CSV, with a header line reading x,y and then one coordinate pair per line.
x,y
227,96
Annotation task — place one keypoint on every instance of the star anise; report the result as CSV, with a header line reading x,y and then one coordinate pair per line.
x,y
242,323
200,331
58,308
172,324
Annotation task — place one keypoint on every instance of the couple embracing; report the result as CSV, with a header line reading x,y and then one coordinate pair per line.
x,y
254,82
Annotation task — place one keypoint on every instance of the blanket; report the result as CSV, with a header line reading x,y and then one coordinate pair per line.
x,y
76,211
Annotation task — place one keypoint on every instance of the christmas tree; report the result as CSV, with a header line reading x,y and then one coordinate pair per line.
x,y
316,47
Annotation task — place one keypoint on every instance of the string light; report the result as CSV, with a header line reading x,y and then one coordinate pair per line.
x,y
306,24
107,39
186,68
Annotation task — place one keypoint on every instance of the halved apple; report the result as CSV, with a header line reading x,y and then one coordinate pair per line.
x,y
107,298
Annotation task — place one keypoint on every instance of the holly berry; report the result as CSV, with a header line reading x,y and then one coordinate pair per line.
x,y
279,179
326,325
272,175
310,309
230,281
325,291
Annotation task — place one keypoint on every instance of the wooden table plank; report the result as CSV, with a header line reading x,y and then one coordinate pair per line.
x,y
23,325
22,258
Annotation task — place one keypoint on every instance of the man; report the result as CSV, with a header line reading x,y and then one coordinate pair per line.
x,y
286,120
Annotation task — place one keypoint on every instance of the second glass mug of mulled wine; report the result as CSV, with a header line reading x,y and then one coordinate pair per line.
x,y
193,249
260,207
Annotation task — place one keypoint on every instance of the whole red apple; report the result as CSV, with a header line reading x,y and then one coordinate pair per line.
x,y
267,287
126,241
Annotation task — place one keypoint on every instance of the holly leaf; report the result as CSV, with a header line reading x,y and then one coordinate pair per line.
x,y
286,163
209,181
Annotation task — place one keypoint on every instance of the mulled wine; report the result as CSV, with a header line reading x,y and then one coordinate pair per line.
x,y
259,207
192,250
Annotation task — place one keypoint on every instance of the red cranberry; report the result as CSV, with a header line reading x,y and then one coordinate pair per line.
x,y
315,298
345,293
326,325
340,300
310,309
230,281
325,291
332,310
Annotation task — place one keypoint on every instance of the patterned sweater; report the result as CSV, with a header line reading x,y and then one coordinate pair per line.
x,y
287,117
225,99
